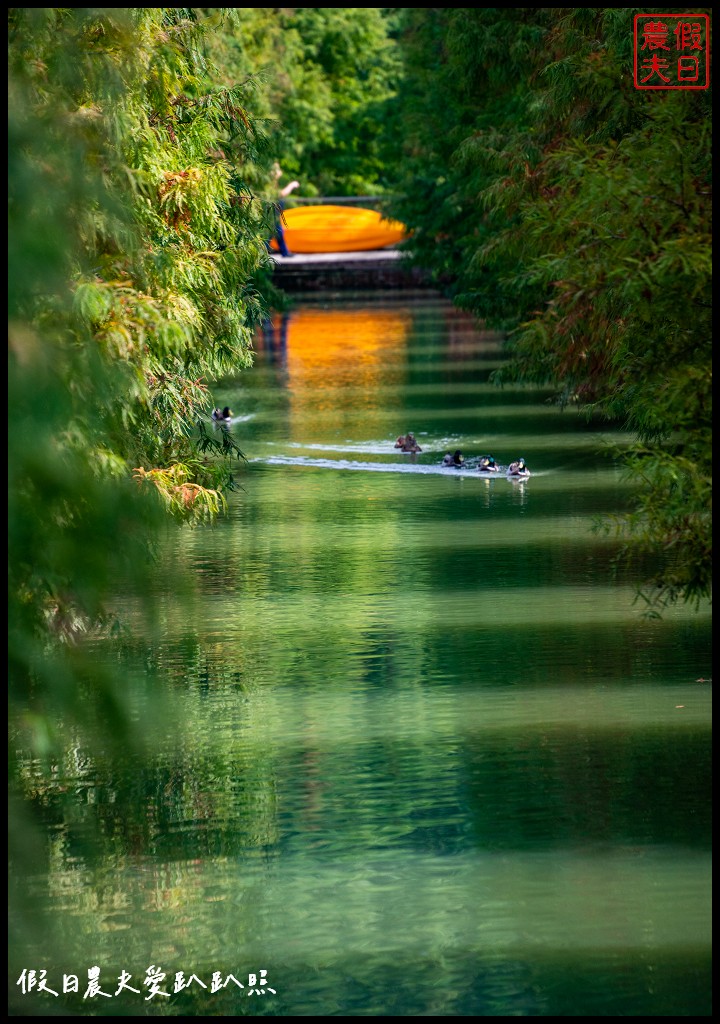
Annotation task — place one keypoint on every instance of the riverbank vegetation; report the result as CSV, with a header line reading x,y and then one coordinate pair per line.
x,y
323,82
136,260
560,203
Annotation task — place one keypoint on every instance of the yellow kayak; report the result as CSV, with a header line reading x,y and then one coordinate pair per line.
x,y
338,229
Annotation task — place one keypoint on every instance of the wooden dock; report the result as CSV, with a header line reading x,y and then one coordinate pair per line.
x,y
341,271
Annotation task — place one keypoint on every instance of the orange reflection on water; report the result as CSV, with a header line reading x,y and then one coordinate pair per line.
x,y
326,352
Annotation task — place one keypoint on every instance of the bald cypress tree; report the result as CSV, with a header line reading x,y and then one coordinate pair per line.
x,y
135,243
573,210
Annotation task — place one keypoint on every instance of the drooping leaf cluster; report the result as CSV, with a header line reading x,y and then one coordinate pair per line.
x,y
555,200
136,240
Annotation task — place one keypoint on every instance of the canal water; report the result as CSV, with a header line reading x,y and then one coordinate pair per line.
x,y
412,748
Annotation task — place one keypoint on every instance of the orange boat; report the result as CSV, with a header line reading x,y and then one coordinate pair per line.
x,y
338,229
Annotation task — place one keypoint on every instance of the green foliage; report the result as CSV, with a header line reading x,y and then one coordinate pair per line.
x,y
323,80
555,200
463,115
135,252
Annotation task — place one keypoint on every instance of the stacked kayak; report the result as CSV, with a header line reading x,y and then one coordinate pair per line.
x,y
338,229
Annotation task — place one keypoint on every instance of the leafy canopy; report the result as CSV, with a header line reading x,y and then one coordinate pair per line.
x,y
556,201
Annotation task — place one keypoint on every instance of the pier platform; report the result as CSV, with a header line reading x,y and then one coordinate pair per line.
x,y
373,268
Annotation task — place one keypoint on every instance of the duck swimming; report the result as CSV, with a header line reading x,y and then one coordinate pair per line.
x,y
407,443
518,468
456,459
487,464
219,415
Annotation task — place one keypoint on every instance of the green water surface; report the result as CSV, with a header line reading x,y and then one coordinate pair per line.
x,y
412,748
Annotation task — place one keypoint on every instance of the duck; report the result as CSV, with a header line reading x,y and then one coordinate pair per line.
x,y
518,468
487,464
407,443
456,459
222,415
